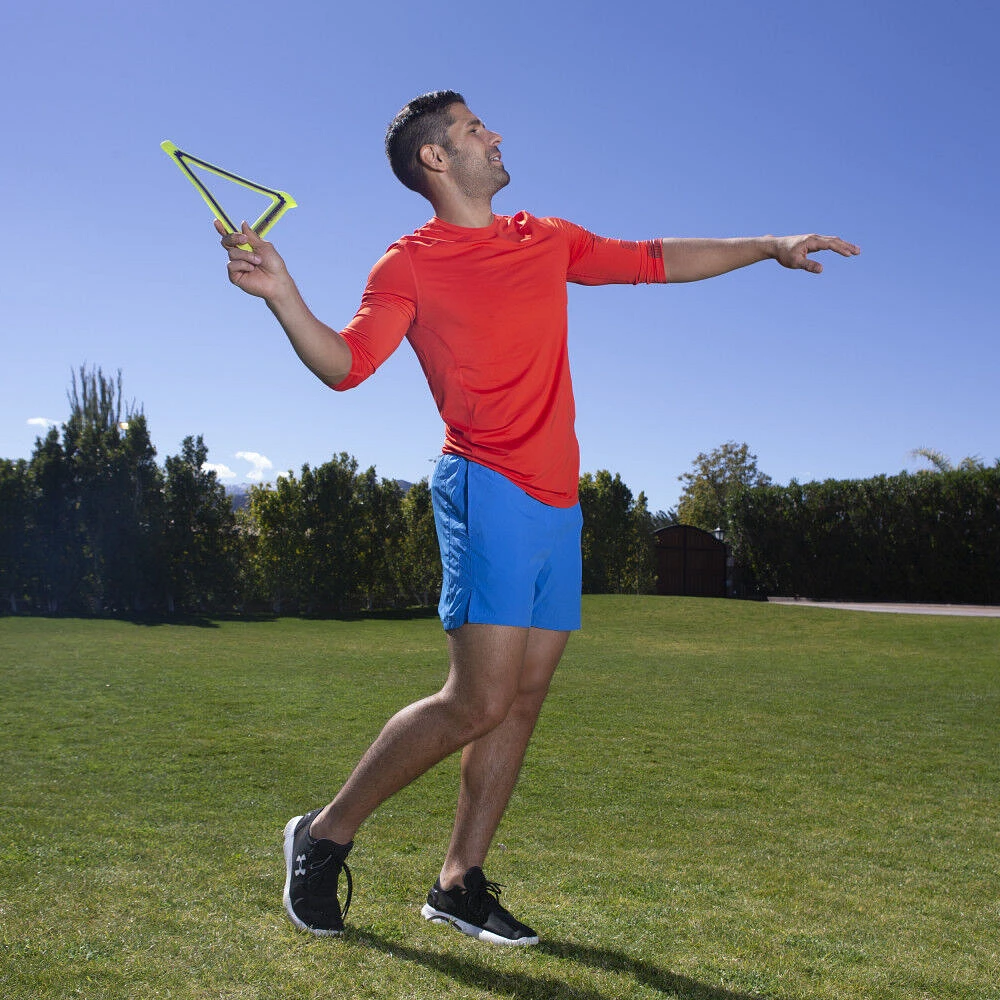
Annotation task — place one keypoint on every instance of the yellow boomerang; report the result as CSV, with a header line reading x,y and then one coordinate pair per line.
x,y
281,201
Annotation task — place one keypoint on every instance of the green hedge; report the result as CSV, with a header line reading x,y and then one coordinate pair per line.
x,y
924,537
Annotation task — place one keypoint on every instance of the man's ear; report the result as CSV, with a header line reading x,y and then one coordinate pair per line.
x,y
433,157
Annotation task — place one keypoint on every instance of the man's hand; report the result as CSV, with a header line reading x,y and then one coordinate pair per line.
x,y
793,251
258,271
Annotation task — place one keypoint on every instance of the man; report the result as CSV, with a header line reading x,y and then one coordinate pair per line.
x,y
482,300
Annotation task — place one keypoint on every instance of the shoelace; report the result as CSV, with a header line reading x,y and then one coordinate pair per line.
x,y
350,888
320,872
484,897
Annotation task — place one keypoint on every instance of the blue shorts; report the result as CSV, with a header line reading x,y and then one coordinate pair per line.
x,y
507,558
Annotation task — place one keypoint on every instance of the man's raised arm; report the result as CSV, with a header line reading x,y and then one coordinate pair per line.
x,y
694,259
261,272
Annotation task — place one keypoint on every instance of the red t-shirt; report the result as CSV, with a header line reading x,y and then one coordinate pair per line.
x,y
485,312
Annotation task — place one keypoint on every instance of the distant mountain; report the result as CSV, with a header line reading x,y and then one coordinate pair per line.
x,y
239,495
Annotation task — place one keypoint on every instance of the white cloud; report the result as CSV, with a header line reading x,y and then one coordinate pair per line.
x,y
259,462
220,470
42,422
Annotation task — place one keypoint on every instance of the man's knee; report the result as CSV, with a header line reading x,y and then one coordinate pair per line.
x,y
479,712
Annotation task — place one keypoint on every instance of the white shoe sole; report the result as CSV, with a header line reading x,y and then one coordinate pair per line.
x,y
428,912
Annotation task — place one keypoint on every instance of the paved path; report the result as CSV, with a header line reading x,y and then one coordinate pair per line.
x,y
968,610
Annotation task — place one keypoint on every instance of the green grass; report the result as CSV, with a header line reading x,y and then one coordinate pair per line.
x,y
723,800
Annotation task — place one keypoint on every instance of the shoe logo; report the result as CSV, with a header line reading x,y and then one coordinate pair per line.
x,y
300,868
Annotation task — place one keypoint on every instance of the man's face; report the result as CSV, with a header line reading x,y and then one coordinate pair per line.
x,y
474,155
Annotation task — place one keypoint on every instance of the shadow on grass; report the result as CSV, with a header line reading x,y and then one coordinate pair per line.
x,y
383,615
643,972
195,621
214,620
525,986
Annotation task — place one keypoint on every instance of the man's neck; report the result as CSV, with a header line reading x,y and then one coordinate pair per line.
x,y
462,212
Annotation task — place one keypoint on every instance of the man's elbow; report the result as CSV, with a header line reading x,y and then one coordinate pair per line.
x,y
333,380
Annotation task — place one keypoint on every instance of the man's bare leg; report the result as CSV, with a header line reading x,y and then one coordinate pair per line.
x,y
491,764
486,674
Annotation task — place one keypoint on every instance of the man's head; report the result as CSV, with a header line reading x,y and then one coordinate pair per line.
x,y
424,120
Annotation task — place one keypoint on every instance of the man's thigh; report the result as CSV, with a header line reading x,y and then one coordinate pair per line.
x,y
498,662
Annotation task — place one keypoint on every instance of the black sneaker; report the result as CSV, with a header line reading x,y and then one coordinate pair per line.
x,y
314,868
476,910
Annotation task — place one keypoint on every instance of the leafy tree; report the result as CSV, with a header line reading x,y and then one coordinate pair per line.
x,y
117,494
55,550
639,577
303,539
617,536
380,539
139,570
941,462
421,560
199,536
714,481
664,518
15,504
331,518
274,543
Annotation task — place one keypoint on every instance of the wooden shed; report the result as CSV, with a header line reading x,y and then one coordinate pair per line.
x,y
689,562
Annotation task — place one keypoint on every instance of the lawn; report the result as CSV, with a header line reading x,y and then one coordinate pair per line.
x,y
723,801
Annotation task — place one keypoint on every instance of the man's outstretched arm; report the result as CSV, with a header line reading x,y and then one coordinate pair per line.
x,y
261,272
694,259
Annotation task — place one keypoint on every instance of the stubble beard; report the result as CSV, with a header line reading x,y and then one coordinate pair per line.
x,y
479,183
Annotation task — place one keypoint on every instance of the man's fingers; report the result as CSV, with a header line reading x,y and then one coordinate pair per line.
x,y
248,256
238,267
798,249
836,244
243,236
246,230
240,270
236,243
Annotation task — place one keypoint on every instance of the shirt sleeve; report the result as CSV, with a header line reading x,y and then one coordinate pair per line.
x,y
598,260
388,307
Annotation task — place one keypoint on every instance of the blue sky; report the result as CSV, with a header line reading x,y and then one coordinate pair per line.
x,y
875,121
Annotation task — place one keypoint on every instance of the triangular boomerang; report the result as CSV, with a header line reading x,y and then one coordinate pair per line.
x,y
281,201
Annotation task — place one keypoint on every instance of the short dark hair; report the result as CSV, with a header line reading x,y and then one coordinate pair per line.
x,y
424,119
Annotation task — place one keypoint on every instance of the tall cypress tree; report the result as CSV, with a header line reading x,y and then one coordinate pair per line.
x,y
116,492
